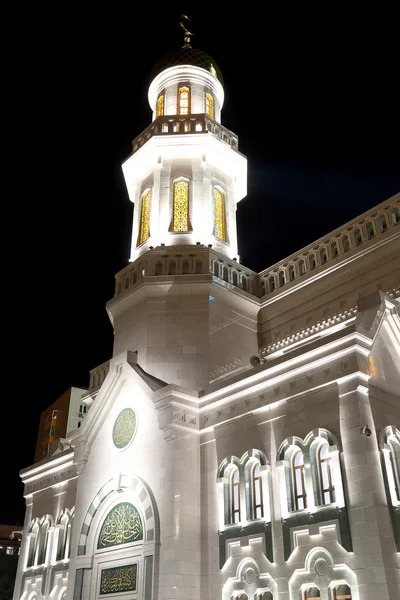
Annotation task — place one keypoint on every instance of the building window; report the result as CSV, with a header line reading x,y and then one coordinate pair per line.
x,y
79,424
281,278
43,541
342,592
312,262
180,216
299,486
291,273
334,250
265,596
9,550
395,215
346,243
357,237
323,256
184,101
144,227
382,223
325,474
160,106
312,593
370,230
271,283
209,105
220,229
32,544
258,505
235,496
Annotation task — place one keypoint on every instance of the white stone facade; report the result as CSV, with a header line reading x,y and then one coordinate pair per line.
x,y
278,481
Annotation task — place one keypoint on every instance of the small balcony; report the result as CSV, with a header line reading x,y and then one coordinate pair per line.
x,y
182,124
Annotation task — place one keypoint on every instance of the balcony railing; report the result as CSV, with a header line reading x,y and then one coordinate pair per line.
x,y
178,125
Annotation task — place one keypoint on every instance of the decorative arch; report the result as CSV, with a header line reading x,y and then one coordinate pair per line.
x,y
249,581
320,571
144,502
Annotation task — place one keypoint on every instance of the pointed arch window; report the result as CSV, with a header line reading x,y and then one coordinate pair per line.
x,y
180,211
220,228
235,496
325,474
184,100
144,228
209,105
342,592
258,504
312,593
33,543
43,541
346,243
160,105
299,484
393,444
334,250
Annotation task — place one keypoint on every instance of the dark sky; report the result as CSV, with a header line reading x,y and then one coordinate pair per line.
x,y
312,93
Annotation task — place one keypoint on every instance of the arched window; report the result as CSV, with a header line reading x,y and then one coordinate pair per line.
x,y
393,443
262,288
281,278
312,593
312,262
257,492
346,243
160,106
267,595
302,267
323,256
299,484
342,592
43,541
184,101
325,474
235,496
292,273
144,228
370,230
64,531
382,223
271,284
357,237
209,105
220,228
180,212
33,542
395,215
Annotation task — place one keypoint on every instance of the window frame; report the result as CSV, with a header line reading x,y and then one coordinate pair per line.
x,y
183,87
161,96
175,182
232,485
209,107
301,468
331,488
259,481
145,205
224,222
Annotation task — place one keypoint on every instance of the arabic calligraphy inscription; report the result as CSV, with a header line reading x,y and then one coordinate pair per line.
x,y
118,579
121,526
124,428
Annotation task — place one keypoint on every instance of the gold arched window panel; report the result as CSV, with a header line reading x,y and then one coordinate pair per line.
x,y
144,227
180,211
209,105
160,106
184,101
220,228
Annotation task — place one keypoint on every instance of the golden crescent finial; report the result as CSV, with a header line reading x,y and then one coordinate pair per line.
x,y
186,30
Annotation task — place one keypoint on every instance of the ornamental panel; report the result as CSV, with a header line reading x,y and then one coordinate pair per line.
x,y
220,230
121,526
144,231
118,579
181,206
124,428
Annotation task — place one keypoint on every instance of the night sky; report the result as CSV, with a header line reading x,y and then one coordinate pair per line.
x,y
311,92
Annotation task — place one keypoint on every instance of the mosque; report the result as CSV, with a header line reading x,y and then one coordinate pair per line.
x,y
243,441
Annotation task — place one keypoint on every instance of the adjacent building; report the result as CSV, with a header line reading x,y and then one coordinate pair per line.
x,y
59,419
243,441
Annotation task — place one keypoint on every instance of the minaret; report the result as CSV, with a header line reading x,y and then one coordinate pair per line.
x,y
185,177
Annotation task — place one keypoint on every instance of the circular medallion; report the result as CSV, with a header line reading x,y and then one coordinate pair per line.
x,y
321,567
250,576
124,428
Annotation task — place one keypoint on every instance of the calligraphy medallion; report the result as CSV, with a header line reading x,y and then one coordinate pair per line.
x,y
124,428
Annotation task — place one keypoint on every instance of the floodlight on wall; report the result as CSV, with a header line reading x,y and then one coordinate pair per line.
x,y
366,431
256,361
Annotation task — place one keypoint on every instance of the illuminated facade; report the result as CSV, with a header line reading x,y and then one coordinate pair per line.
x,y
243,441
